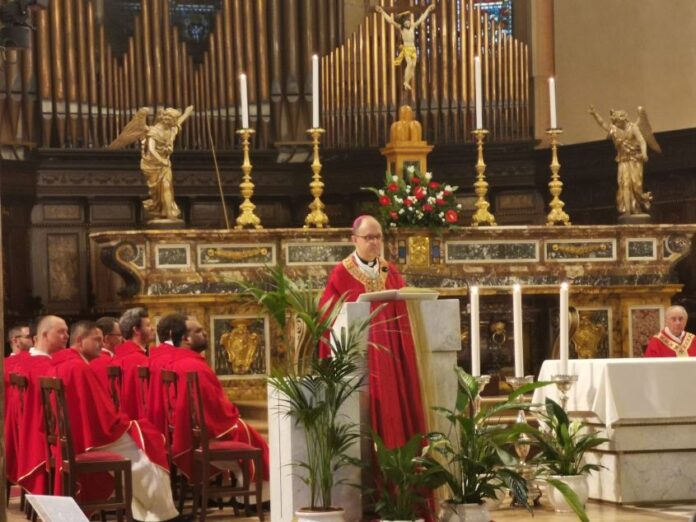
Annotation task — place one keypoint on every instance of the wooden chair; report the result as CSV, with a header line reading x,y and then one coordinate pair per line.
x,y
206,451
115,376
56,419
144,378
170,390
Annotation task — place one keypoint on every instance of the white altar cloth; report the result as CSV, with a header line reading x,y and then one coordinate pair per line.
x,y
618,390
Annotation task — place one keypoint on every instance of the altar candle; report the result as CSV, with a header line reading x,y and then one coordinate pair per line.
x,y
479,92
552,102
315,91
475,334
245,102
517,323
563,328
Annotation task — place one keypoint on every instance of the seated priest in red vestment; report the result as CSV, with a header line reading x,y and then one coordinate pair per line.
x,y
673,340
112,338
137,332
396,406
20,341
170,329
221,416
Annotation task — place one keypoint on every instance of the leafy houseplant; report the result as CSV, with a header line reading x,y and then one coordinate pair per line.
x,y
476,461
314,392
562,444
404,479
416,200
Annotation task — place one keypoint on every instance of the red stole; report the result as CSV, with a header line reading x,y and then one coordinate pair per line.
x,y
129,356
221,416
160,358
396,408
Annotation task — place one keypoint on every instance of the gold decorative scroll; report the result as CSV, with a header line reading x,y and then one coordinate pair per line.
x,y
579,250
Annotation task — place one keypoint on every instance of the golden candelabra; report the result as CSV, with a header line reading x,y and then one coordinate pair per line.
x,y
247,218
316,217
556,216
482,216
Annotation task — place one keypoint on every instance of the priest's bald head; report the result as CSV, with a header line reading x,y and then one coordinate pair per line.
x,y
367,238
51,334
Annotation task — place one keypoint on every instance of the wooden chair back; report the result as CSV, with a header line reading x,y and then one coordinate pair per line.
x,y
144,378
115,376
196,412
20,383
56,420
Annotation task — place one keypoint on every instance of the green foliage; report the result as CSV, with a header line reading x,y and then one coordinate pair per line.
x,y
563,443
404,479
570,497
474,455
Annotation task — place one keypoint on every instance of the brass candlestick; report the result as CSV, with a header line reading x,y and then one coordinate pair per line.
x,y
316,217
247,218
482,216
556,216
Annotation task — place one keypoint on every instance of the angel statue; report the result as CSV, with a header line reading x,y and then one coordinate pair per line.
x,y
631,140
156,146
407,28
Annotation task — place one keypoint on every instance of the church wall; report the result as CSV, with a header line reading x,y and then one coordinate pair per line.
x,y
621,54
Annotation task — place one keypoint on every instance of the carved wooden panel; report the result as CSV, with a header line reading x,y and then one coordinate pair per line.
x,y
62,264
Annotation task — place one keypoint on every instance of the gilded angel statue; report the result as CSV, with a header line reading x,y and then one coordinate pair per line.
x,y
631,140
156,146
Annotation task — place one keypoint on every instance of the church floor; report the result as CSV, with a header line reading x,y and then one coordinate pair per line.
x,y
597,512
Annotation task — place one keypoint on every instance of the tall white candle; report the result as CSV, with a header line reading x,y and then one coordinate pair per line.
x,y
245,101
517,323
552,102
479,92
475,334
315,91
563,328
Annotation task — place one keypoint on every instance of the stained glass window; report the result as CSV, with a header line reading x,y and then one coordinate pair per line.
x,y
500,10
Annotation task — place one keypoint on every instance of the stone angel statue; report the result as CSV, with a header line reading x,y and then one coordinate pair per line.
x,y
156,146
631,140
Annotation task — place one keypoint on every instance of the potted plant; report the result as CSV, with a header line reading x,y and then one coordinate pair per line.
x,y
474,453
314,391
404,480
562,444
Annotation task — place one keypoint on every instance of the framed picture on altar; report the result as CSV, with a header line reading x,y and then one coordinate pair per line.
x,y
592,338
172,256
643,323
239,346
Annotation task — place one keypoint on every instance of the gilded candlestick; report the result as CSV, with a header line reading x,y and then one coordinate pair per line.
x,y
482,216
564,383
316,217
556,216
247,218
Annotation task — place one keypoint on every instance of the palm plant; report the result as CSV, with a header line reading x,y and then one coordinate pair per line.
x,y
476,461
314,391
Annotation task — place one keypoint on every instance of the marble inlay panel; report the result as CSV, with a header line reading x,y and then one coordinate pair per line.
x,y
241,345
300,254
491,251
225,255
172,256
641,249
643,323
581,250
63,262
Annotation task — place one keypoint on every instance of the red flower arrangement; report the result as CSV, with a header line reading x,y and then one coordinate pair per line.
x,y
415,200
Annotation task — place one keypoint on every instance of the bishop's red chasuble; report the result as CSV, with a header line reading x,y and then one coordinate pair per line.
x,y
221,416
160,358
129,356
665,344
396,407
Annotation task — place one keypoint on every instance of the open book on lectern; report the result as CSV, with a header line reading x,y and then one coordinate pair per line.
x,y
406,293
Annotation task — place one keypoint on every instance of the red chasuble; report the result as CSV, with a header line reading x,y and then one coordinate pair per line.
x,y
221,416
396,408
129,356
99,366
665,344
95,423
13,413
160,358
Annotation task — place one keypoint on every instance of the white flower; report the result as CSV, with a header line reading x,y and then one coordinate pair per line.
x,y
395,178
442,214
431,200
459,206
392,225
408,188
448,188
440,195
381,192
410,209
410,169
428,176
401,211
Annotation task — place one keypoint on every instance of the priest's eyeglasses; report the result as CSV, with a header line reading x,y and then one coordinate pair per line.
x,y
370,237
